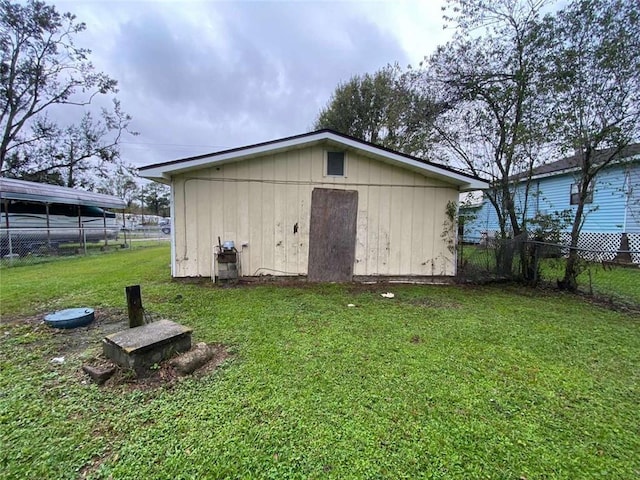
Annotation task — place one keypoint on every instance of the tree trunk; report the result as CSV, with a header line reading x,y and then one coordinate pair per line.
x,y
570,280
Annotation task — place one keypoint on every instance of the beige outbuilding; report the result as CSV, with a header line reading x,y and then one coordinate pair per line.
x,y
322,205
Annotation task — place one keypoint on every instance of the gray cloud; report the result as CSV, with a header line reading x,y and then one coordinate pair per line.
x,y
197,77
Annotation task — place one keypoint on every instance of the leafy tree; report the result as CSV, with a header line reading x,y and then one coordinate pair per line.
x,y
384,108
40,67
156,199
594,89
489,77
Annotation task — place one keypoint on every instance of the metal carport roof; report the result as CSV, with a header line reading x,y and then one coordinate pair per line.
x,y
12,189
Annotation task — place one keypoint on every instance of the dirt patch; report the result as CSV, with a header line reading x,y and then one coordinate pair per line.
x,y
83,345
164,374
74,340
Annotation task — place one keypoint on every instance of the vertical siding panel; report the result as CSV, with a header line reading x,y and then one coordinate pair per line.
x,y
407,214
417,220
268,215
215,211
394,177
291,202
242,220
373,221
386,235
180,226
306,159
255,219
428,226
211,221
280,213
191,241
317,164
362,229
201,226
435,233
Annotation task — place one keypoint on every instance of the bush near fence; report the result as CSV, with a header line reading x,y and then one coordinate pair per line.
x,y
21,246
607,273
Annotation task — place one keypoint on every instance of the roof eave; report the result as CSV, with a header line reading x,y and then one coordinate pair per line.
x,y
164,171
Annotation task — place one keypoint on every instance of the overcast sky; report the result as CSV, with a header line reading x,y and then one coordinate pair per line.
x,y
198,77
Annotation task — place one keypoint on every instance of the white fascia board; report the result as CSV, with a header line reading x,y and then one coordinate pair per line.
x,y
163,173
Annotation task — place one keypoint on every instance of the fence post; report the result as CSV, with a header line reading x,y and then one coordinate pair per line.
x,y
10,246
536,262
10,243
460,252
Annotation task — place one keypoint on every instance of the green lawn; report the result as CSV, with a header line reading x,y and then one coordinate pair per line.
x,y
438,382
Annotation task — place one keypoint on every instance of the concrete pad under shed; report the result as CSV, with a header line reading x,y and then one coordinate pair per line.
x,y
141,347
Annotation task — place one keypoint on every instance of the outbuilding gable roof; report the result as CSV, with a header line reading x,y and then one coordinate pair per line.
x,y
162,172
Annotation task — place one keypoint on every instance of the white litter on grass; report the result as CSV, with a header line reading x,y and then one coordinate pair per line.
x,y
57,360
351,305
387,295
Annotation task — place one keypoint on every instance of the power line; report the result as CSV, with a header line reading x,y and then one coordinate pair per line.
x,y
175,144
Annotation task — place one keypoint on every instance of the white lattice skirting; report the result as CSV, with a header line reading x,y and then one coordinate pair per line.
x,y
603,247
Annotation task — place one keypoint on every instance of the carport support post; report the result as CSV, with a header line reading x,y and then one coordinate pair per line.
x,y
134,306
104,225
46,209
6,220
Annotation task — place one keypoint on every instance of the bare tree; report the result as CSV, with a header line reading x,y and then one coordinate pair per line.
x,y
74,156
122,183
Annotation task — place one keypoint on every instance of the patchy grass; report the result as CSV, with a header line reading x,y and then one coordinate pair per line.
x,y
603,280
618,283
438,382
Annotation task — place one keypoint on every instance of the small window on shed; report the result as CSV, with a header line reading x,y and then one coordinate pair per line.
x,y
335,164
575,194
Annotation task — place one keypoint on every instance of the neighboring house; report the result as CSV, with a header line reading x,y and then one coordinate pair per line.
x,y
613,206
321,204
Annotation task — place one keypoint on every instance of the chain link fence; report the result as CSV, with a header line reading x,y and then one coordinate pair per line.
x,y
28,246
608,274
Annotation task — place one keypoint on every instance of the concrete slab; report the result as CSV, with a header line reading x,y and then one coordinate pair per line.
x,y
141,347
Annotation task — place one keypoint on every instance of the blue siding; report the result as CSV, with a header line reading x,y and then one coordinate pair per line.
x,y
604,215
486,220
616,202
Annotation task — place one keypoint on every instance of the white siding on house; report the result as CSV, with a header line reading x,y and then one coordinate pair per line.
x,y
257,202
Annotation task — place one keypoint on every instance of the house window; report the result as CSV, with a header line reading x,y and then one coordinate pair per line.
x,y
575,194
335,164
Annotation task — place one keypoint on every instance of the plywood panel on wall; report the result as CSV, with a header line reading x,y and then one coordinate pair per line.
x,y
258,202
